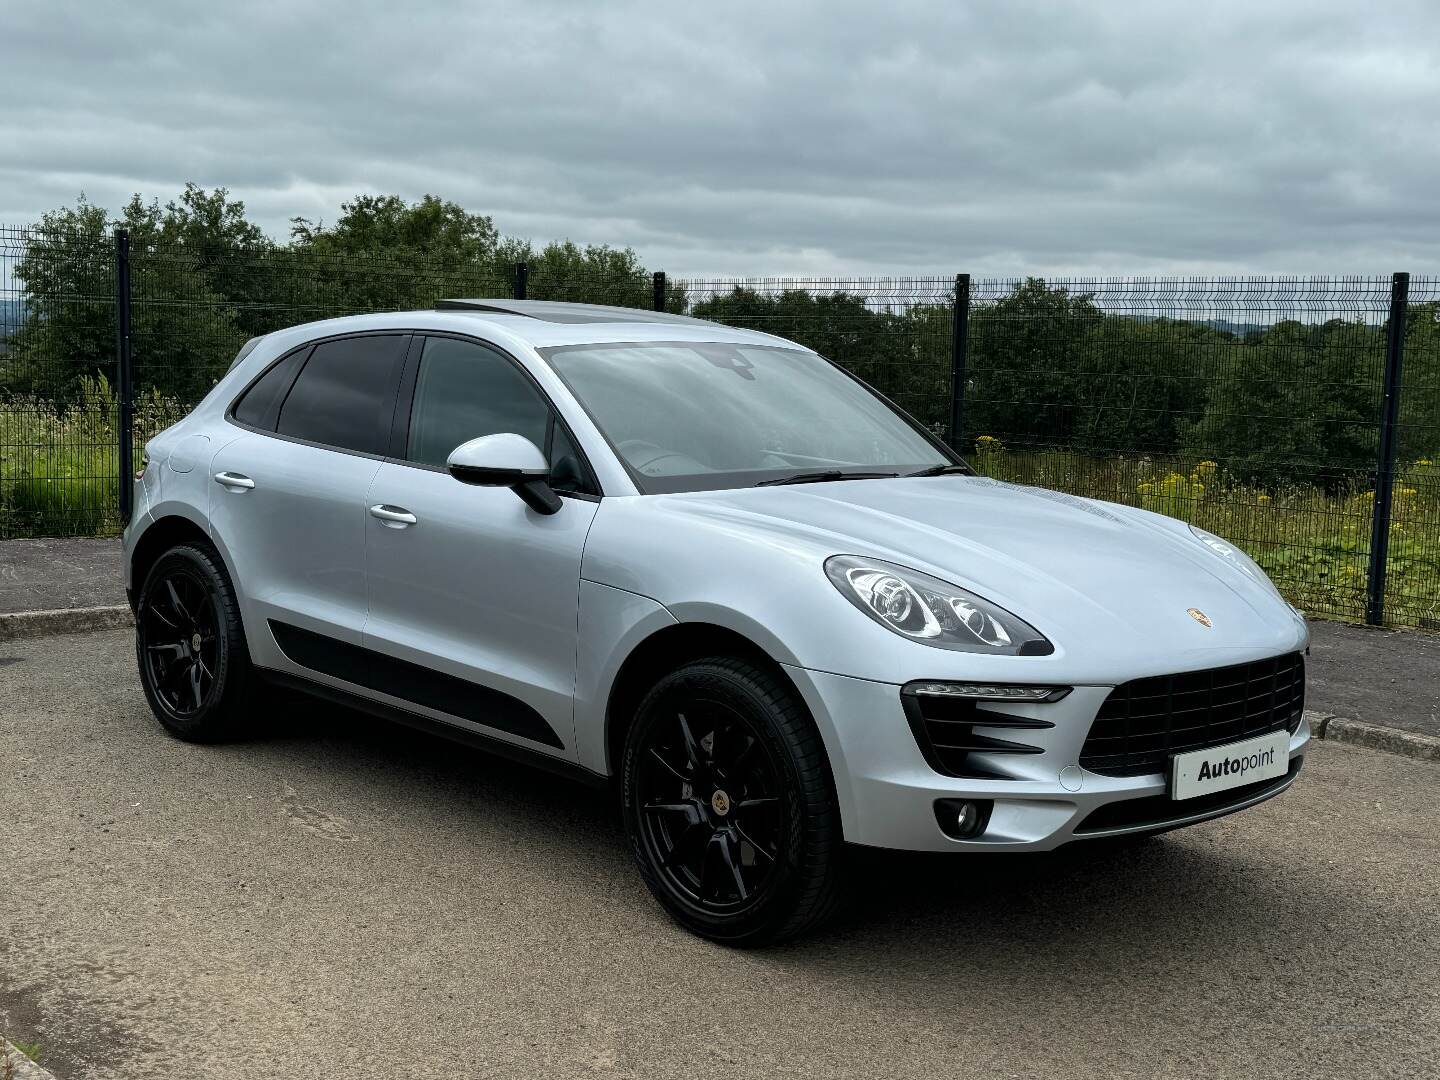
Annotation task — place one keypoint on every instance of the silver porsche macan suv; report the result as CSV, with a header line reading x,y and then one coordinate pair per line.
x,y
709,567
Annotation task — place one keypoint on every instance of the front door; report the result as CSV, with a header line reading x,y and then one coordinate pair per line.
x,y
473,596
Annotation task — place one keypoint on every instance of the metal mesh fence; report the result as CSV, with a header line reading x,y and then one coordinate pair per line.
x,y
58,421
1412,584
622,287
1251,407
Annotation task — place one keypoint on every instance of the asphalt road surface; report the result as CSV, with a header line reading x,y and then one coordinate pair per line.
x,y
347,899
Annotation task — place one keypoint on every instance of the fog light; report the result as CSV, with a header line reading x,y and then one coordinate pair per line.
x,y
963,819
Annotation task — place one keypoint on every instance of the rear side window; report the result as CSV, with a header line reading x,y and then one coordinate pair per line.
x,y
465,390
345,394
262,401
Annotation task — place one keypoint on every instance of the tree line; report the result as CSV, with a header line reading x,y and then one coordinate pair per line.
x,y
1046,367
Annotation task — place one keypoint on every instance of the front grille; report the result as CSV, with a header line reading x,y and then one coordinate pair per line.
x,y
1144,721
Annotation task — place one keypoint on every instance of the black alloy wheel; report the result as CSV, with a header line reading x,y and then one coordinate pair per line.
x,y
190,646
181,641
712,819
729,805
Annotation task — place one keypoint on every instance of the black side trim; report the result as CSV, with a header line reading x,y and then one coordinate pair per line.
x,y
521,754
414,683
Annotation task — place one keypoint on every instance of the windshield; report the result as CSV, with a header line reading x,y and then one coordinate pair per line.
x,y
692,416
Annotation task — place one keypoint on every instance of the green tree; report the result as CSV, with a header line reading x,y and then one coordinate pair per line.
x,y
1297,405
1026,365
595,274
443,233
384,254
1420,385
1139,381
68,273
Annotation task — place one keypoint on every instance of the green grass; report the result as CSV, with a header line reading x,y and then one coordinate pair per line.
x,y
30,1050
58,464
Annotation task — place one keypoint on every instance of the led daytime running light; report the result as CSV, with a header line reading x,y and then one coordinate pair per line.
x,y
988,691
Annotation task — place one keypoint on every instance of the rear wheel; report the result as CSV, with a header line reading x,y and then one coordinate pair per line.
x,y
190,646
729,805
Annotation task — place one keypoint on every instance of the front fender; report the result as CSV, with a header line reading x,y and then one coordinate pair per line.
x,y
613,623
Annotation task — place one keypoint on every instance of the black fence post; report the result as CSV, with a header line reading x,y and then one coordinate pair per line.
x,y
1389,448
959,348
657,300
522,281
125,383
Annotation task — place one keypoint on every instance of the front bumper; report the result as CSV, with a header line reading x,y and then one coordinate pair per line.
x,y
887,791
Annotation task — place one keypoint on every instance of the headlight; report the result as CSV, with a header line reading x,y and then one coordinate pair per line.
x,y
931,611
1234,556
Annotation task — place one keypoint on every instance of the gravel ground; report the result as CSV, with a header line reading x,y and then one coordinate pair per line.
x,y
350,899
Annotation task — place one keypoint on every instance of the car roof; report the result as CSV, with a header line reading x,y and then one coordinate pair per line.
x,y
548,323
557,311
539,323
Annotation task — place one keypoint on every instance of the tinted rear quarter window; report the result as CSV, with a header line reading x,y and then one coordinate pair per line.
x,y
260,403
345,394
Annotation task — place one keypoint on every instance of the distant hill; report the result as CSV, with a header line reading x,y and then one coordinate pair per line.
x,y
1239,329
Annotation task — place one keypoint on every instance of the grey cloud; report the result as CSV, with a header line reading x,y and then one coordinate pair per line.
x,y
768,138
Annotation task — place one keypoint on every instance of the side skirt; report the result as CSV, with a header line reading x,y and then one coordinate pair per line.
x,y
385,711
413,682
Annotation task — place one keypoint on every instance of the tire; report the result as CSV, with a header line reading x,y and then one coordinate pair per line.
x,y
729,804
202,694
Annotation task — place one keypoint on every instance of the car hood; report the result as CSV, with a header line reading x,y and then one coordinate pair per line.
x,y
1074,568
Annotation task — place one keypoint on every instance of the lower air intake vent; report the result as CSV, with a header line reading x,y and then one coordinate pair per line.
x,y
945,729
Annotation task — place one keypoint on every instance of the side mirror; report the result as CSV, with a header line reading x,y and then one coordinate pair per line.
x,y
506,460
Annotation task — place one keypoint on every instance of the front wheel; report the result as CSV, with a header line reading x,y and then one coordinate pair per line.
x,y
190,646
729,805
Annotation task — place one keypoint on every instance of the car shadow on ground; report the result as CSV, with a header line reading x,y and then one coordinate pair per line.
x,y
1161,898
1239,917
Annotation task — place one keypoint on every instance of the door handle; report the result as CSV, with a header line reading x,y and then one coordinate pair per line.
x,y
234,481
392,517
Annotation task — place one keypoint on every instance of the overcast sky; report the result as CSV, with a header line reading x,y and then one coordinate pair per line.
x,y
767,138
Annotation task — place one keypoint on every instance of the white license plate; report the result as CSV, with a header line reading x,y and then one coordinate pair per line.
x,y
1201,772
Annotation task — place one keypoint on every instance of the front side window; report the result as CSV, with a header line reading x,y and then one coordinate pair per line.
x,y
691,416
465,390
345,395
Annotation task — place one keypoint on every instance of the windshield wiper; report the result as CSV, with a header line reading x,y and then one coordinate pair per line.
x,y
822,477
943,470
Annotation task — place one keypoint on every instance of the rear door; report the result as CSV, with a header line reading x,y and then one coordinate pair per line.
x,y
288,498
474,597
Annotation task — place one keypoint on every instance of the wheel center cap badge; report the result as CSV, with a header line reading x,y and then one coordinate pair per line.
x,y
720,803
195,642
1199,616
